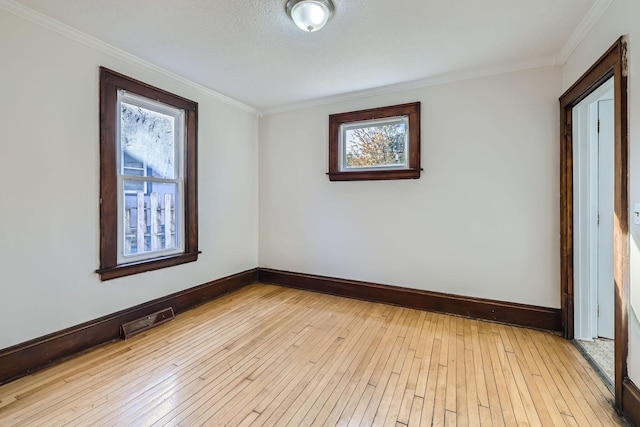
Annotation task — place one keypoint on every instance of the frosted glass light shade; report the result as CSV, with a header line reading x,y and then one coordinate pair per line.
x,y
310,15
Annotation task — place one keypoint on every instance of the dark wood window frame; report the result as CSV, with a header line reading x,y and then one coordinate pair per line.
x,y
612,63
110,83
411,110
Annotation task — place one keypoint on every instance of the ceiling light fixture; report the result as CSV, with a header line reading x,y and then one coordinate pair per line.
x,y
310,15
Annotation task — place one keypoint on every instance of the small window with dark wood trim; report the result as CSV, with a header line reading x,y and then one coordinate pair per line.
x,y
148,197
379,143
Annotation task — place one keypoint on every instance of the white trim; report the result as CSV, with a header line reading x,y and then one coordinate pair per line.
x,y
546,61
593,15
74,34
582,220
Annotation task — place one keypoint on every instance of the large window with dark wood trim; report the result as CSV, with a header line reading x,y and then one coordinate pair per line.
x,y
379,143
148,197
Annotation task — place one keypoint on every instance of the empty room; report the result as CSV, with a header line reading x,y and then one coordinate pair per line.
x,y
320,212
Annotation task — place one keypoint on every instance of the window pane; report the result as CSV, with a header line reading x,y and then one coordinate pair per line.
x,y
150,219
132,166
382,145
133,172
134,186
147,139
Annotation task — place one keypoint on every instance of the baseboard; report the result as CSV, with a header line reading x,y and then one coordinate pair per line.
x,y
498,311
33,355
631,402
30,356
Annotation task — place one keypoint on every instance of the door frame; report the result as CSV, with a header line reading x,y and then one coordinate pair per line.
x,y
612,64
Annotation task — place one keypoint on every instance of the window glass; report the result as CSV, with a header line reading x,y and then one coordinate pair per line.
x,y
150,220
375,144
147,137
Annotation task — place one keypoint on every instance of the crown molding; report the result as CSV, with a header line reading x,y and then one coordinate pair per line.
x,y
546,61
593,15
72,33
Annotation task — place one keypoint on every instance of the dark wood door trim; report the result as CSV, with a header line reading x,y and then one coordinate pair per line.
x,y
612,64
631,402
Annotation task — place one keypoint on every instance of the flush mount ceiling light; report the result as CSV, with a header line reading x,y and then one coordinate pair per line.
x,y
310,15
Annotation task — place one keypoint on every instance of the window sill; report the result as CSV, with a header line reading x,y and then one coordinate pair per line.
x,y
128,269
375,175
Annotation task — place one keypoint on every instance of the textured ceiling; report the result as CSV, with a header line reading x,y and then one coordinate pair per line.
x,y
249,50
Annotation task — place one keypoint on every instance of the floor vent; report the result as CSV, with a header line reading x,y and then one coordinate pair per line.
x,y
137,326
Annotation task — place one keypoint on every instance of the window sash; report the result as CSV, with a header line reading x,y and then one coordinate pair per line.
x,y
345,127
179,220
179,203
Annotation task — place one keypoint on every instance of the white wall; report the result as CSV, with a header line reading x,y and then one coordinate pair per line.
x,y
622,18
482,220
49,197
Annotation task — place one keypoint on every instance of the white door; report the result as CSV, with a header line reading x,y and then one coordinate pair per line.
x,y
593,214
606,288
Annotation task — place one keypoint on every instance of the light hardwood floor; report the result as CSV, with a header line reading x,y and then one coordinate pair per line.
x,y
268,355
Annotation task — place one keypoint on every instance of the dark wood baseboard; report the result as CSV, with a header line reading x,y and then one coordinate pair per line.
x,y
631,402
498,311
33,355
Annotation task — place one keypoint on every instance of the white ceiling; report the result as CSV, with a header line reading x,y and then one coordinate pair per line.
x,y
249,50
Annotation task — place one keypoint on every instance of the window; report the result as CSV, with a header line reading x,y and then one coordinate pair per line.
x,y
380,143
148,192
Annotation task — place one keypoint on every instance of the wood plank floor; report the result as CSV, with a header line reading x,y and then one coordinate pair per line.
x,y
267,355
